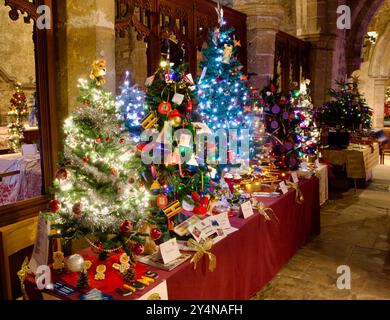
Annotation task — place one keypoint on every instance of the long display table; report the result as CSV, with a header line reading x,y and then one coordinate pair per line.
x,y
246,259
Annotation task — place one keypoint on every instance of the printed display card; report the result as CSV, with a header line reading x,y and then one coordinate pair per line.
x,y
247,209
169,250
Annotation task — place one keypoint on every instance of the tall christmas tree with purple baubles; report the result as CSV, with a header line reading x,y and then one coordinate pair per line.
x,y
282,128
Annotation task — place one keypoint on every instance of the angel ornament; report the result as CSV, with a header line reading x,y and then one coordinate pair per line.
x,y
219,10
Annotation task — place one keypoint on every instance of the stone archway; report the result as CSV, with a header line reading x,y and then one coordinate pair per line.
x,y
374,71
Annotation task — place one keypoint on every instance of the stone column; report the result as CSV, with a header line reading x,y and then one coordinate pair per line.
x,y
85,31
263,22
380,85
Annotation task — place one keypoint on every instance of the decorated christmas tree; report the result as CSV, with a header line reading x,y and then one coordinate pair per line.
x,y
223,89
17,116
348,108
175,172
310,133
258,128
133,108
97,194
387,105
282,128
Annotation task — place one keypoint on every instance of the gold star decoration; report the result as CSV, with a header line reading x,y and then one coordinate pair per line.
x,y
237,43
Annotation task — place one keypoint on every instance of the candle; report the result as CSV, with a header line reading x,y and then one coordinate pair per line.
x,y
59,247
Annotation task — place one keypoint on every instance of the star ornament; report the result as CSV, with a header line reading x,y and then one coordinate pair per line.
x,y
237,43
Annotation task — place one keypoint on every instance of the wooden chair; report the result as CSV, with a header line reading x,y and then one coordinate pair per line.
x,y
14,238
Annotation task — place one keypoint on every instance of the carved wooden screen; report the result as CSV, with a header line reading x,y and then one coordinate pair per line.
x,y
186,22
291,60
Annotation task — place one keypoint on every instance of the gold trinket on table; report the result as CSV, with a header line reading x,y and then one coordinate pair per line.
x,y
58,261
87,265
100,269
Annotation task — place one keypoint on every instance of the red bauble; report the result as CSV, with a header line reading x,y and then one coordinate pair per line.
x,y
126,226
121,140
86,103
204,201
140,146
200,210
137,248
164,107
131,180
162,201
77,208
108,139
189,106
272,88
98,140
155,234
85,159
195,196
54,206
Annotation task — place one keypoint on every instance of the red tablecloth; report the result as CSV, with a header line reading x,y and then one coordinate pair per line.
x,y
250,257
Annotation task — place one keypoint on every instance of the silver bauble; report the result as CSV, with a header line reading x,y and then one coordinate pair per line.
x,y
75,263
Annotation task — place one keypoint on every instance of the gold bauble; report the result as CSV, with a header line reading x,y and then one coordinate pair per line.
x,y
176,122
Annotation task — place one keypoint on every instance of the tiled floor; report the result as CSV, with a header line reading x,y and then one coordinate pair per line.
x,y
355,231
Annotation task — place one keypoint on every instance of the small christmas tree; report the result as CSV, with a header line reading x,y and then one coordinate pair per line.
x,y
83,281
282,127
223,89
17,115
97,193
133,108
310,133
348,108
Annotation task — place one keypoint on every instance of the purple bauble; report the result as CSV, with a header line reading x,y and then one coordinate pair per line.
x,y
288,145
274,124
292,161
285,115
275,109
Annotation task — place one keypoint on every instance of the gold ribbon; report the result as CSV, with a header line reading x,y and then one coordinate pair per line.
x,y
22,273
298,193
201,250
263,211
